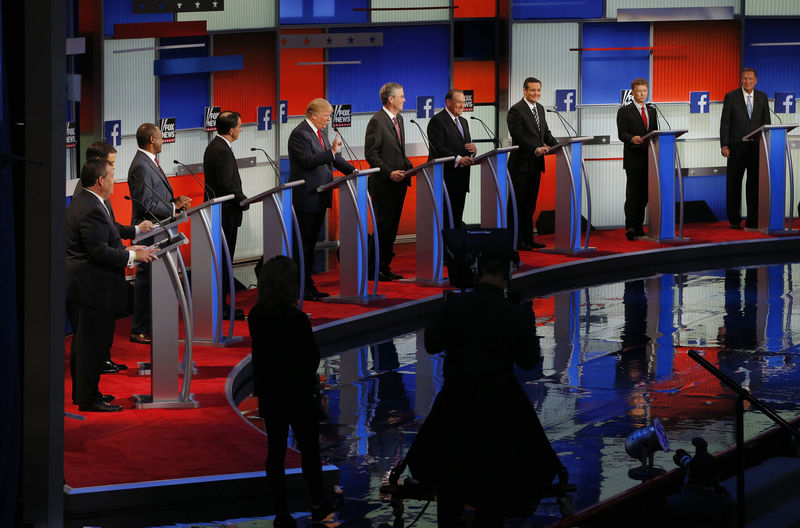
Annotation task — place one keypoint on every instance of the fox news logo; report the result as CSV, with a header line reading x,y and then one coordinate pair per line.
x,y
342,116
565,100
113,132
469,100
212,112
167,126
71,134
625,97
784,103
424,106
698,102
264,118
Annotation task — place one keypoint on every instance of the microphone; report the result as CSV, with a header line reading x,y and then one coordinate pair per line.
x,y
206,188
350,154
154,217
424,137
773,113
651,105
170,206
275,167
486,128
563,120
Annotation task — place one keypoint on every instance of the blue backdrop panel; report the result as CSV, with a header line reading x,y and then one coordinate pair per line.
x,y
778,67
418,57
198,65
535,9
706,188
322,11
183,96
607,72
121,12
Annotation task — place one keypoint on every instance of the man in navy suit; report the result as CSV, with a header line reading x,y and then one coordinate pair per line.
x,y
312,158
95,279
385,148
743,110
448,133
152,198
634,120
222,178
528,128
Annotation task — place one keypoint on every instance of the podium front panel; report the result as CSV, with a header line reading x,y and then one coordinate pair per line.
x,y
353,211
568,206
772,180
661,187
494,196
164,327
429,266
205,292
276,219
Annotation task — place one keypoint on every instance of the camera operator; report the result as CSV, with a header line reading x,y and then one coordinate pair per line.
x,y
482,444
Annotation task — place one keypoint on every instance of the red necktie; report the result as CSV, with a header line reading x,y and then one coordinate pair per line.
x,y
644,117
397,129
319,135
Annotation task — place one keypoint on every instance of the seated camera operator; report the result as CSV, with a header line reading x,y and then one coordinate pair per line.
x,y
482,444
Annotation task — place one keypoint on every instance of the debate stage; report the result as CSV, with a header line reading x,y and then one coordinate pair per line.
x,y
211,456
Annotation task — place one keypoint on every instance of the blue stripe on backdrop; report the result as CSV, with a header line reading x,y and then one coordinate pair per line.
x,y
707,188
183,96
536,9
322,11
121,12
418,57
778,67
605,73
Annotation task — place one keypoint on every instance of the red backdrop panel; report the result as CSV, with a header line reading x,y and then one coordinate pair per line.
x,y
478,76
254,85
694,56
300,84
474,8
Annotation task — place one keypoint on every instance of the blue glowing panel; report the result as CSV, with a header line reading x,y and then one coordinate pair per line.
x,y
418,57
184,96
537,9
121,12
778,67
323,11
606,72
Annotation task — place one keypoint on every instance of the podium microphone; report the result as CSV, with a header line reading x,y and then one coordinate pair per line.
x,y
773,113
649,105
424,137
350,154
486,128
159,222
563,120
271,162
206,188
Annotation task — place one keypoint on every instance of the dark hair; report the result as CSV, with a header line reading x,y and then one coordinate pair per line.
x,y
144,133
99,150
530,80
750,70
637,82
92,170
226,121
278,286
451,93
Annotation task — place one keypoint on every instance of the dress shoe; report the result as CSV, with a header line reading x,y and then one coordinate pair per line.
x,y
119,366
735,226
385,276
751,225
100,406
109,367
144,339
313,289
522,246
309,296
239,316
536,245
630,234
107,398
320,512
284,521
640,232
395,276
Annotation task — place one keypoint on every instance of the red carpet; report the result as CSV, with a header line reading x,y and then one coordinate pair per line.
x,y
145,445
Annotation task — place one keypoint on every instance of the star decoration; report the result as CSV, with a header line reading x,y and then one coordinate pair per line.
x,y
306,41
180,5
350,40
283,41
330,40
372,40
214,4
197,5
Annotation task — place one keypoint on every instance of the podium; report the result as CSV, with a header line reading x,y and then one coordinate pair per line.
x,y
773,150
354,206
496,188
278,217
570,179
169,291
431,191
208,250
661,168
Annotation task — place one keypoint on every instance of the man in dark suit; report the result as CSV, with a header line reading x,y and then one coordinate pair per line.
x,y
152,198
385,147
634,120
312,158
95,279
222,177
448,133
744,110
528,128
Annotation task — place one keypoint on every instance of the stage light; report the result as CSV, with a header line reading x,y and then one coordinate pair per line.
x,y
642,444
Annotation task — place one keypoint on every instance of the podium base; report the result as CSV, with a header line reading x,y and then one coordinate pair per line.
x,y
427,282
223,342
353,300
145,401
675,240
145,368
777,232
570,251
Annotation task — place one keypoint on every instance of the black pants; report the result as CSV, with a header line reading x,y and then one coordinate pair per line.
x,y
388,201
635,198
141,298
526,191
93,334
310,225
230,230
302,417
457,190
743,158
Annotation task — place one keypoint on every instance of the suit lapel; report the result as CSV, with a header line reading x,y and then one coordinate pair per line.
x,y
529,117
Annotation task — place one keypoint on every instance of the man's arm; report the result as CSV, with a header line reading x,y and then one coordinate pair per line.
x,y
137,177
516,127
725,125
222,165
373,141
623,123
95,233
302,153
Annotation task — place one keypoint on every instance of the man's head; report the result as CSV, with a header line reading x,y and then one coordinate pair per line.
x,y
392,97
532,89
318,112
102,150
749,79
229,124
97,175
454,101
148,137
639,89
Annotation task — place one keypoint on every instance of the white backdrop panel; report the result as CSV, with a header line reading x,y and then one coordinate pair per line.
x,y
411,15
238,14
129,86
613,5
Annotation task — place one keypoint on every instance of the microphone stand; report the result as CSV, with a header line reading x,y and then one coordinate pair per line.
x,y
564,122
424,137
350,154
275,167
206,188
154,217
669,127
160,199
488,131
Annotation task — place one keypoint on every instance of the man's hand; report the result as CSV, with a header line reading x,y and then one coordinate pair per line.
x,y
397,176
145,226
336,145
725,152
143,254
182,202
636,140
471,148
465,161
541,151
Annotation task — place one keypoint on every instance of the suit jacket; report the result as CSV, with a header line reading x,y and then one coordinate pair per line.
x,y
96,260
310,161
525,133
222,177
446,140
381,148
125,231
629,125
735,124
157,197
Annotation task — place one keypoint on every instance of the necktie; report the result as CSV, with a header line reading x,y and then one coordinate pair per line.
x,y
397,129
749,105
319,135
536,116
159,168
644,117
458,125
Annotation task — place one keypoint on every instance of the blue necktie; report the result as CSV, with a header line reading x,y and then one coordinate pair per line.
x,y
749,105
461,130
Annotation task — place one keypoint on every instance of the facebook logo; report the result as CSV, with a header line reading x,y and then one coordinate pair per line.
x,y
284,110
424,106
565,100
264,118
784,103
113,132
698,102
